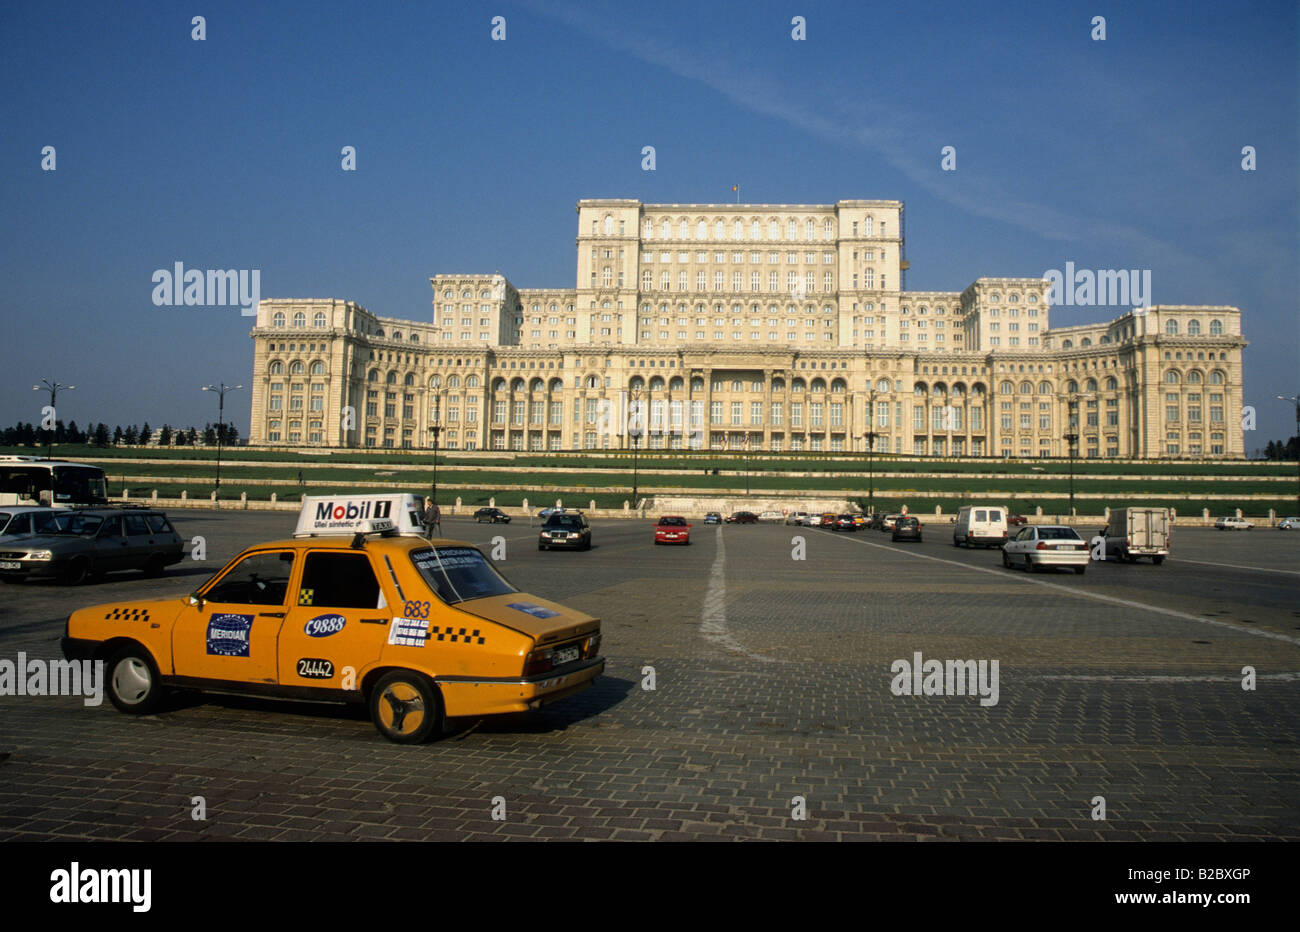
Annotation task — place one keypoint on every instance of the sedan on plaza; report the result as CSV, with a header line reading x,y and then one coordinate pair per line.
x,y
1229,523
672,529
567,530
887,523
713,517
1288,524
93,542
742,517
1046,545
844,523
907,528
491,516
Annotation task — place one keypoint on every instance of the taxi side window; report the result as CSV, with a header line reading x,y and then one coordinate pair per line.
x,y
158,524
136,526
258,579
112,527
338,580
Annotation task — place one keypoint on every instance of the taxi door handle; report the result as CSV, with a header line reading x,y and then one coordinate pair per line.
x,y
270,614
374,621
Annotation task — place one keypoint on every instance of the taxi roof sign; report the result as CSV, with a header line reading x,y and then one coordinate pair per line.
x,y
344,515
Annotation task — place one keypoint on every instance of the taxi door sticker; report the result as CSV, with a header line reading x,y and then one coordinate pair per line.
x,y
409,632
228,635
528,608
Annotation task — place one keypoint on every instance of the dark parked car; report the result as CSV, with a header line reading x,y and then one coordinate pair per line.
x,y
93,542
845,523
565,529
491,516
907,528
713,517
743,517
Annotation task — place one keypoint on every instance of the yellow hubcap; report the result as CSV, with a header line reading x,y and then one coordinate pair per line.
x,y
401,708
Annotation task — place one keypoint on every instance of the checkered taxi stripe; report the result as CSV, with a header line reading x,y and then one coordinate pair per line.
x,y
452,634
127,614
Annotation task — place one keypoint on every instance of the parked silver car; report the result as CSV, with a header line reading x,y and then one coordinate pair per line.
x,y
92,542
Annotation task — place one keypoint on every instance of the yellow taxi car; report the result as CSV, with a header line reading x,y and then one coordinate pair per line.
x,y
356,607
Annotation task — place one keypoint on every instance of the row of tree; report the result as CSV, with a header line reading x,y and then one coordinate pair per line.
x,y
1277,450
100,435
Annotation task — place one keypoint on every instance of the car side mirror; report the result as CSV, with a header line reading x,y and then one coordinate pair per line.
x,y
196,600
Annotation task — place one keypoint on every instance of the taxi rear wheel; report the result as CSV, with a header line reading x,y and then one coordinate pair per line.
x,y
406,707
134,685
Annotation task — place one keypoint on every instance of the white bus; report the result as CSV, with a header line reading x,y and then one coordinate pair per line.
x,y
29,480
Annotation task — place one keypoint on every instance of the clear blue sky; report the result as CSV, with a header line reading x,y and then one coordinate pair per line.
x,y
471,153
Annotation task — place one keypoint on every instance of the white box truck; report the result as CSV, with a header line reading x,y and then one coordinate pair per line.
x,y
1137,532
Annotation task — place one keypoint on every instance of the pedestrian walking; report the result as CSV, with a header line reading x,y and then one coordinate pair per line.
x,y
432,519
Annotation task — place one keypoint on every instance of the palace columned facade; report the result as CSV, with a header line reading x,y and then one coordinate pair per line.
x,y
743,326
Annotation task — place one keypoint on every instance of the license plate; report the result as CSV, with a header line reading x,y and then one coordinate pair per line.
x,y
10,566
565,655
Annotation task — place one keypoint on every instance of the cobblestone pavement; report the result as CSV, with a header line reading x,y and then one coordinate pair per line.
x,y
772,681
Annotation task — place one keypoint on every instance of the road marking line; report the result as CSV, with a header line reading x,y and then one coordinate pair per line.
x,y
1237,566
1081,593
1158,678
714,618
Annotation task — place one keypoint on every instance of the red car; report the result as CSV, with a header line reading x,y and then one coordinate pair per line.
x,y
672,529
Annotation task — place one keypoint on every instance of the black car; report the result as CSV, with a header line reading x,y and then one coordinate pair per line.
x,y
92,542
845,523
491,516
743,517
567,529
907,528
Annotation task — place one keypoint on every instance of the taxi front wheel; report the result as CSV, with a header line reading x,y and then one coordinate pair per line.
x,y
406,707
134,685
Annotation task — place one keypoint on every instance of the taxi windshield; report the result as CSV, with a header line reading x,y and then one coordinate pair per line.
x,y
458,574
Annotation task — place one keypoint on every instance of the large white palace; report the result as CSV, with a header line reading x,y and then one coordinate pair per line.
x,y
777,327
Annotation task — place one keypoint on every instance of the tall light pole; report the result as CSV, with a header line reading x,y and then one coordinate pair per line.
x,y
1072,438
634,429
436,428
220,388
1295,400
53,389
870,437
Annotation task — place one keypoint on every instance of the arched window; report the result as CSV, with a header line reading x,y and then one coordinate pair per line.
x,y
1071,387
778,385
516,385
1111,384
277,319
397,334
1193,328
536,385
675,384
435,381
819,385
1217,378
1216,328
276,368
919,389
1194,377
1026,388
1005,388
1044,388
1172,377
882,385
798,385
1085,342
609,224
839,386
318,368
697,384
701,230
409,380
1067,344
391,379
373,376
300,319
1171,327
1090,385
296,367
657,384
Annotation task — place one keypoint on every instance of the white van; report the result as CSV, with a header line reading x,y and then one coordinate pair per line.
x,y
1137,532
983,525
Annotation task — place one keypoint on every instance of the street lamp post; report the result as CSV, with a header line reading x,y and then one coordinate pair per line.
x,y
53,389
221,389
436,428
1295,400
1072,438
870,437
634,431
